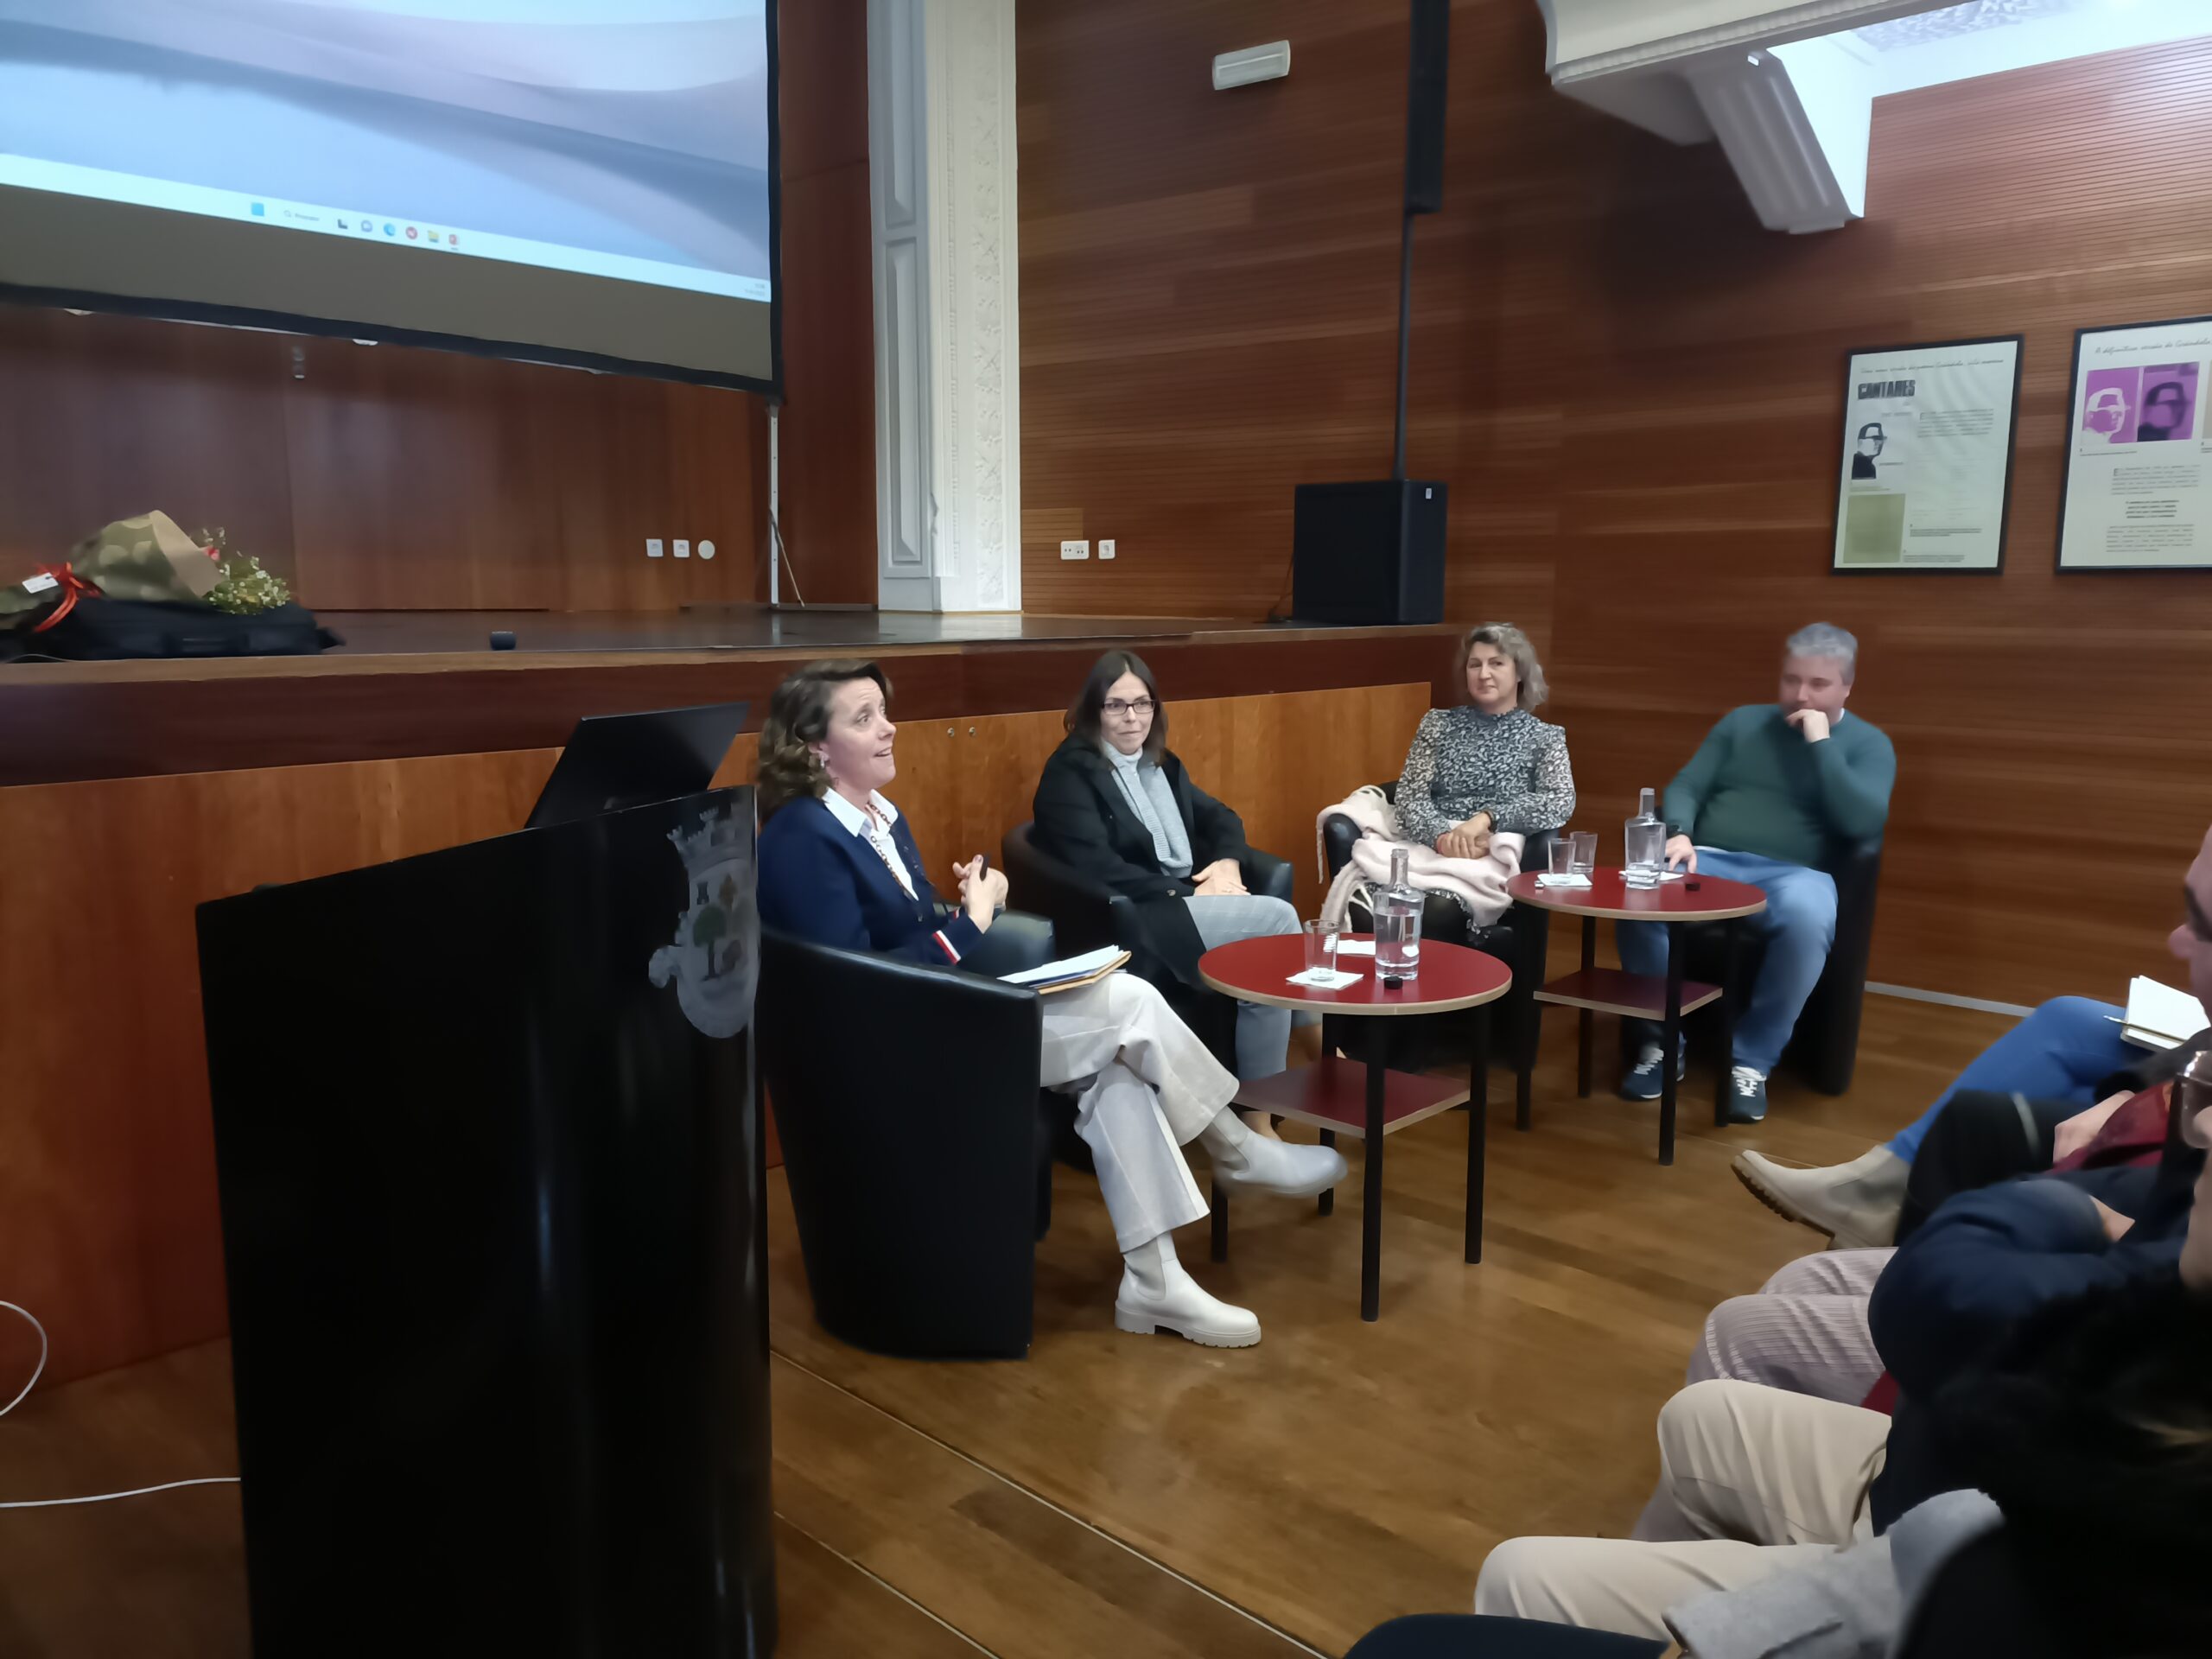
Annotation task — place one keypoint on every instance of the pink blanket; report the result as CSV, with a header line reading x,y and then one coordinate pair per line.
x,y
1478,883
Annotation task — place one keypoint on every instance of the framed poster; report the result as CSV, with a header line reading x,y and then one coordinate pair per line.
x,y
2138,461
1925,479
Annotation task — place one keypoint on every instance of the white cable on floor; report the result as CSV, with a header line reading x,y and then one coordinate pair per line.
x,y
39,1370
105,1497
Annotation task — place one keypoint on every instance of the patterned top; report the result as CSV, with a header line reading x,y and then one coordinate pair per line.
x,y
1464,762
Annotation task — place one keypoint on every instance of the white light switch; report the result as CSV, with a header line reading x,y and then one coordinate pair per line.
x,y
1075,550
1105,550
683,549
652,547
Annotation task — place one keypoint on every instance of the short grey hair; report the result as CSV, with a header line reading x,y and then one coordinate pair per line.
x,y
1825,640
1534,689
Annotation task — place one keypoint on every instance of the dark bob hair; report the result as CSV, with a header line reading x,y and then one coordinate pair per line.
x,y
1087,710
798,714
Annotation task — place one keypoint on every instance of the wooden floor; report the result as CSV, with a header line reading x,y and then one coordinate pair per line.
x,y
1116,1496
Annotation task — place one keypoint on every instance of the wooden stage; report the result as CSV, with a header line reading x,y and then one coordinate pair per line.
x,y
1115,1497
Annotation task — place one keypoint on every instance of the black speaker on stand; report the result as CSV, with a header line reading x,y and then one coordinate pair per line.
x,y
1372,552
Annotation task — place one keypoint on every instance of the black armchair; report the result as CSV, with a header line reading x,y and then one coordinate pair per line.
x,y
1521,938
1824,1048
1086,915
918,1159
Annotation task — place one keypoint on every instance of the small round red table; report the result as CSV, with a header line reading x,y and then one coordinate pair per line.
x,y
1366,1101
1640,996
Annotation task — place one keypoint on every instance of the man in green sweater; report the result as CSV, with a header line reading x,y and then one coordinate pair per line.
x,y
1776,792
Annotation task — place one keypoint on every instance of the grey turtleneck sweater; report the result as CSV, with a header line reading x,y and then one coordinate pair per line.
x,y
1462,761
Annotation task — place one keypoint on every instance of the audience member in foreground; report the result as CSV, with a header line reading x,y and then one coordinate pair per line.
x,y
1776,792
2076,1517
1810,1328
838,866
1488,765
1755,1480
2062,1057
1116,804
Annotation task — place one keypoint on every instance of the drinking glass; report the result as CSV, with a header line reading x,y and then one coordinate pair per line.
x,y
1321,946
1562,855
1586,851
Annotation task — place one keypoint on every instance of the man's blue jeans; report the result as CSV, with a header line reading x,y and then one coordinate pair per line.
x,y
2060,1052
1798,925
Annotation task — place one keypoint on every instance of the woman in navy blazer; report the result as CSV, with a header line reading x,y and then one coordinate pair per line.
x,y
838,866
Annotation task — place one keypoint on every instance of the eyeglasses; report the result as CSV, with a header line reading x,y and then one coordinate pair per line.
x,y
1117,707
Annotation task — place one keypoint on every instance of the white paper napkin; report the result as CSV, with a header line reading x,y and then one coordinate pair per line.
x,y
1322,979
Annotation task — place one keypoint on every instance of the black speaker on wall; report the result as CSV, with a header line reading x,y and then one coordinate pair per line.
x,y
1372,552
1368,554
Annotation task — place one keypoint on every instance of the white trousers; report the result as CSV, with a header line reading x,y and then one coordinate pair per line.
x,y
1753,1480
1147,1085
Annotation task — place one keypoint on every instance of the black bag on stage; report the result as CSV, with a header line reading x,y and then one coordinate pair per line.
x,y
99,630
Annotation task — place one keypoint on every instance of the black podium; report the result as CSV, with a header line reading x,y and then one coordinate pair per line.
x,y
492,1192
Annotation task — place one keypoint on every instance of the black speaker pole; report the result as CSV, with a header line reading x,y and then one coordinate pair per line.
x,y
1405,341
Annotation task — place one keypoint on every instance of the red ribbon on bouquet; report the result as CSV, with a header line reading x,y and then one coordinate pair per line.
x,y
73,588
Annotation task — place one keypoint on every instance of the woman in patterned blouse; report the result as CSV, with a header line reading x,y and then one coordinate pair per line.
x,y
1489,764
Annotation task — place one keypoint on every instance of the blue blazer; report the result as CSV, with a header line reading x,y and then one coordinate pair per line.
x,y
822,882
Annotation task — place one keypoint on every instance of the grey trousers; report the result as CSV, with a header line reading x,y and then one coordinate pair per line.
x,y
1806,1331
1262,1033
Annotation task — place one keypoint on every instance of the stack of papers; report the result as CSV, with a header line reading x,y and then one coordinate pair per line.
x,y
2159,1016
1546,878
1070,970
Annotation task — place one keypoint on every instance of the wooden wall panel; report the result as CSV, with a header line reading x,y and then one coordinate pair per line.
x,y
108,1216
394,479
1635,395
103,418
826,435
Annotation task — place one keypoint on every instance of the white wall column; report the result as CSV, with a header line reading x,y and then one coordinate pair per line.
x,y
948,358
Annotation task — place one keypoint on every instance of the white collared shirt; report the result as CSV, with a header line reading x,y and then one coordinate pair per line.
x,y
876,825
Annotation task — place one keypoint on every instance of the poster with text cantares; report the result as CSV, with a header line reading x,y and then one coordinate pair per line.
x,y
1927,456
2139,463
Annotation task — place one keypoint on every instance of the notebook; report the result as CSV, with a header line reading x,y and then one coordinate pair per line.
x,y
2159,1016
1070,971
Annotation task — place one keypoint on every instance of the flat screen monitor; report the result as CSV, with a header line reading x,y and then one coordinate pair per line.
x,y
582,181
617,761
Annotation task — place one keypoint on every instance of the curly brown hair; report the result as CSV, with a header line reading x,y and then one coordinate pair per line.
x,y
798,714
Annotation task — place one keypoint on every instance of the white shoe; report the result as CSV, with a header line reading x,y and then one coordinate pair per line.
x,y
1245,1162
1857,1204
1157,1295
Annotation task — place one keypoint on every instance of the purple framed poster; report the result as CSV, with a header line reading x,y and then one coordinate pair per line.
x,y
2138,458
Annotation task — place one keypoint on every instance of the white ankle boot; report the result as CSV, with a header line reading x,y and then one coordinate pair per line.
x,y
1156,1295
1857,1204
1243,1162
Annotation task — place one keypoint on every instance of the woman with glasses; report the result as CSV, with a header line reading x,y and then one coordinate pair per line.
x,y
1116,803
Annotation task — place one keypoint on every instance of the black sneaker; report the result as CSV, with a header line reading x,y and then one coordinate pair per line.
x,y
1746,1096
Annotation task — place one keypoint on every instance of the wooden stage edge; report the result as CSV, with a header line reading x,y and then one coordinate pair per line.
x,y
74,722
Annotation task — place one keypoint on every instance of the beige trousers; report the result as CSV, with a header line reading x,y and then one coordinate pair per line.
x,y
1147,1085
1751,1480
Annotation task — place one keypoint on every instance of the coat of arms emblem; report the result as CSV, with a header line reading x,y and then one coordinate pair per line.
x,y
714,958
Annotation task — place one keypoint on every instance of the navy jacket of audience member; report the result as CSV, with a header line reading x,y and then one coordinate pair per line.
x,y
1084,820
1956,1292
820,882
